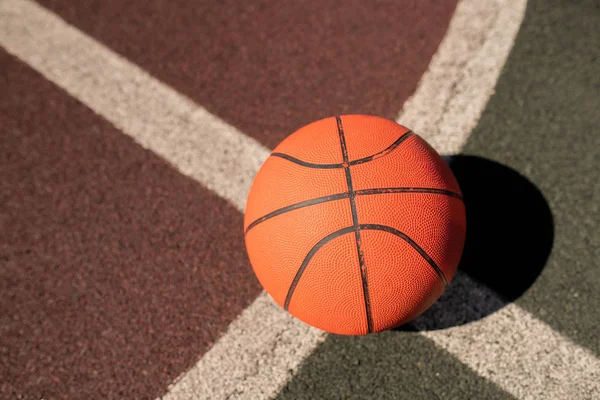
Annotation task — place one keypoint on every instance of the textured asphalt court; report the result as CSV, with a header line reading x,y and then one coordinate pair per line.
x,y
268,69
137,333
540,122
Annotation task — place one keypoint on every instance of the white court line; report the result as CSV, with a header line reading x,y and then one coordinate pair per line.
x,y
462,74
521,354
264,345
155,115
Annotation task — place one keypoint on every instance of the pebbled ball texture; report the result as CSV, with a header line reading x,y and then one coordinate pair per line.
x,y
354,224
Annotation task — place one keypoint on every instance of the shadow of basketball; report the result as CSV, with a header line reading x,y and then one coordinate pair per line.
x,y
510,232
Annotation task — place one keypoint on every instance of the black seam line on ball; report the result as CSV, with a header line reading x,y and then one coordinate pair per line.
x,y
350,229
306,163
385,151
414,245
309,256
296,206
372,157
352,198
362,192
443,192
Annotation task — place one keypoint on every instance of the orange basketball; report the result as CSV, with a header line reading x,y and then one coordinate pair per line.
x,y
354,224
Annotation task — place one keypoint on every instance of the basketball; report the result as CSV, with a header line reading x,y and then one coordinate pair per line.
x,y
354,224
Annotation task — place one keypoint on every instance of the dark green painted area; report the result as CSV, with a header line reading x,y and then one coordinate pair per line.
x,y
544,122
389,365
